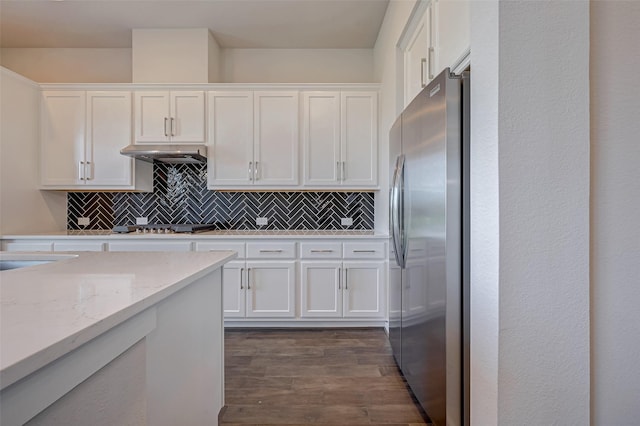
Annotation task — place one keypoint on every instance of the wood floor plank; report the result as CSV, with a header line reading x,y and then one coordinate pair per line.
x,y
315,376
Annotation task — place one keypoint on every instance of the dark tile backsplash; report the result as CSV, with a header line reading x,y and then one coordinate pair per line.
x,y
181,196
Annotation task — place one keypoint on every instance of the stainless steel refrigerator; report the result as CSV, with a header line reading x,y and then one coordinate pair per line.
x,y
429,256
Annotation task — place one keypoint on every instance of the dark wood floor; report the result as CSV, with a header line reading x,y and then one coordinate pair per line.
x,y
324,376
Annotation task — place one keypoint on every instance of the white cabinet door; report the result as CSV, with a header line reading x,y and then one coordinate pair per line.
x,y
177,117
321,289
187,117
230,139
359,135
363,289
62,140
275,138
152,116
419,52
108,131
321,138
271,289
454,40
233,289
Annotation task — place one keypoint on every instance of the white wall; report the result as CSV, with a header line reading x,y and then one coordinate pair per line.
x,y
215,58
297,66
615,203
23,208
170,55
49,65
386,72
530,170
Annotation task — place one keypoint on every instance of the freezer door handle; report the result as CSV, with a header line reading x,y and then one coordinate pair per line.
x,y
402,226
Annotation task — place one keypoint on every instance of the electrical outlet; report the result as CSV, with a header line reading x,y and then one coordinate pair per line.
x,y
346,221
84,221
142,221
262,221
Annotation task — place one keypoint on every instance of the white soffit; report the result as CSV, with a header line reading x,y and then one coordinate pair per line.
x,y
284,24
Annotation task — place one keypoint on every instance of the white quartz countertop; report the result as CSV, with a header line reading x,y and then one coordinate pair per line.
x,y
209,235
51,309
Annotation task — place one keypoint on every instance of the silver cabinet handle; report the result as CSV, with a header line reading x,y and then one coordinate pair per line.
x,y
250,170
256,171
81,170
339,278
346,275
364,251
344,172
172,128
423,62
270,251
165,127
91,170
249,279
321,251
430,62
338,171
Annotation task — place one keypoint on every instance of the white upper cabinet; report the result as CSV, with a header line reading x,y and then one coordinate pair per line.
x,y
275,138
359,136
340,139
253,139
418,46
436,37
81,137
230,144
176,117
62,140
454,40
108,131
321,138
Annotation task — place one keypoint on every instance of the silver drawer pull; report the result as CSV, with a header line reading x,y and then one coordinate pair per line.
x,y
364,251
270,251
321,251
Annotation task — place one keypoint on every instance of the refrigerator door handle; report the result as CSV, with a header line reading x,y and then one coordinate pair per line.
x,y
395,212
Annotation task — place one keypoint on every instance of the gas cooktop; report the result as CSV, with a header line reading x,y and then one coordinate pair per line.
x,y
188,228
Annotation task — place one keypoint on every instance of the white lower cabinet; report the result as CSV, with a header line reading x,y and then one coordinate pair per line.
x,y
363,289
258,288
233,289
342,289
271,289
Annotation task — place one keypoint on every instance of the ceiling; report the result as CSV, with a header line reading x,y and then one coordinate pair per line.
x,y
286,24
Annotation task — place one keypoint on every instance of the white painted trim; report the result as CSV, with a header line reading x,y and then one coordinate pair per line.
x,y
208,86
416,15
462,62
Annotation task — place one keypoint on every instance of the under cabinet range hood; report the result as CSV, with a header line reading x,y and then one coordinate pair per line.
x,y
163,153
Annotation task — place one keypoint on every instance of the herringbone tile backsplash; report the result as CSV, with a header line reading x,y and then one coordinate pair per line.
x,y
181,196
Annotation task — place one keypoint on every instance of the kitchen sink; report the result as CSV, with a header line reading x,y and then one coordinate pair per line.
x,y
10,261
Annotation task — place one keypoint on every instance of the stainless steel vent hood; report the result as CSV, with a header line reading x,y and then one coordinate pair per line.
x,y
189,154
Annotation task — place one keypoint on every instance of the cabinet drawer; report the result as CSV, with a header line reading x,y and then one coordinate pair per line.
x,y
282,250
27,246
78,246
150,246
239,247
321,250
365,250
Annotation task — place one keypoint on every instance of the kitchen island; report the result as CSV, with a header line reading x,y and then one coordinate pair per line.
x,y
113,338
